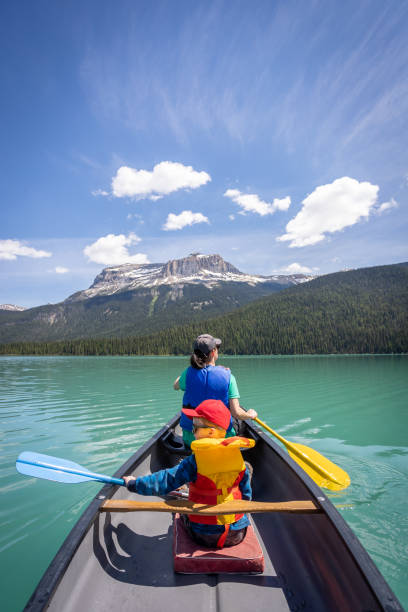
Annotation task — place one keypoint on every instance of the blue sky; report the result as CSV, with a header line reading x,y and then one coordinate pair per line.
x,y
272,133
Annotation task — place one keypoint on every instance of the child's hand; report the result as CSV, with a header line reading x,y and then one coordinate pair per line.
x,y
127,478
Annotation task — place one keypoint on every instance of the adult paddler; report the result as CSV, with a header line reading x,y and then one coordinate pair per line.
x,y
204,380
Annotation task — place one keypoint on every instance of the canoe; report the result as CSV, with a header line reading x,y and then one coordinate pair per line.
x,y
124,561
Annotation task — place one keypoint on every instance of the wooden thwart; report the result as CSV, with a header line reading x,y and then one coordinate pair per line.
x,y
188,507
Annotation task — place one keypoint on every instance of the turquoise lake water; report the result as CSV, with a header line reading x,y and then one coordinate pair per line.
x,y
98,410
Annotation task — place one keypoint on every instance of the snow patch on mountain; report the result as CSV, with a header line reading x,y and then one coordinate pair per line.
x,y
12,307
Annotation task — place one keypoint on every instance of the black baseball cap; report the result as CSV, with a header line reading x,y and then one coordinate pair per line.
x,y
206,343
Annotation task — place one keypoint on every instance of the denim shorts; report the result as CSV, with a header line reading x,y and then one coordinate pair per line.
x,y
210,540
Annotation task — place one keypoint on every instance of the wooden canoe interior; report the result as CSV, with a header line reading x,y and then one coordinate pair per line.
x,y
125,560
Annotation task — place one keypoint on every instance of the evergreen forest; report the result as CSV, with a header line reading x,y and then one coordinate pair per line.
x,y
357,311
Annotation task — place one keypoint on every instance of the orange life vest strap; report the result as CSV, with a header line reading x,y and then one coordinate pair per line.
x,y
211,492
223,536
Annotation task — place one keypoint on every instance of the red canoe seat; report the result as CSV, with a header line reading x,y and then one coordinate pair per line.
x,y
189,558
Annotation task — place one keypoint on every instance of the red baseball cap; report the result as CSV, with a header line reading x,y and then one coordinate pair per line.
x,y
213,410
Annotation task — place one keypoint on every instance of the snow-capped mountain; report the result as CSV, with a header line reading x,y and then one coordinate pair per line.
x,y
196,269
12,307
131,300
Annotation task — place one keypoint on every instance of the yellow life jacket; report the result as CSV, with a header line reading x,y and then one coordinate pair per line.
x,y
220,469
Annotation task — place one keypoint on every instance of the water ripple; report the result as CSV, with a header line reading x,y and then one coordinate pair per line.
x,y
97,411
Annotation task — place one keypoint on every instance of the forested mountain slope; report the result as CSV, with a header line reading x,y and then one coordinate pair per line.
x,y
358,311
136,299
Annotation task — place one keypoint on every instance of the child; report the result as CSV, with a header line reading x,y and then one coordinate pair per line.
x,y
216,472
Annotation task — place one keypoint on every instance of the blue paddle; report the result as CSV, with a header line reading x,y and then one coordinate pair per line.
x,y
60,470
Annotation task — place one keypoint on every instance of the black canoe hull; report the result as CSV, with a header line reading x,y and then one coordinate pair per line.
x,y
124,561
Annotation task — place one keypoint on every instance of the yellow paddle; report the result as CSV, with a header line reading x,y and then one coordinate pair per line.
x,y
324,472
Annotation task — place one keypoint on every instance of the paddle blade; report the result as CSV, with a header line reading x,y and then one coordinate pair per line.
x,y
324,472
50,468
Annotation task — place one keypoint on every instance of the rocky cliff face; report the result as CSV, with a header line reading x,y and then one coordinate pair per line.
x,y
208,270
197,264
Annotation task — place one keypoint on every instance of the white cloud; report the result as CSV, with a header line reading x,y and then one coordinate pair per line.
x,y
231,217
100,192
113,250
331,208
87,161
187,217
11,249
61,270
296,268
250,202
387,206
166,177
135,216
281,204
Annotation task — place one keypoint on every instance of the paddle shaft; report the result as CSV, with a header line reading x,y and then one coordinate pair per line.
x,y
91,475
300,454
189,507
